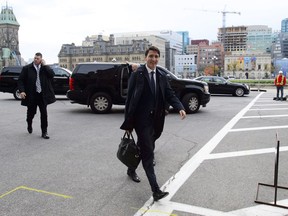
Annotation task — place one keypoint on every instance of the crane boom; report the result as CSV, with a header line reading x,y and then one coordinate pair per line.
x,y
224,12
224,16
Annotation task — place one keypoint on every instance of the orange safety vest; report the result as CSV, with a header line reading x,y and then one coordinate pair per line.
x,y
281,83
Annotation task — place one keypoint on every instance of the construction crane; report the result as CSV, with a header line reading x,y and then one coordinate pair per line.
x,y
224,12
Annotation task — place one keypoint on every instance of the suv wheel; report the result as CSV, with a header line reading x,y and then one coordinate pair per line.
x,y
191,103
239,92
16,94
100,103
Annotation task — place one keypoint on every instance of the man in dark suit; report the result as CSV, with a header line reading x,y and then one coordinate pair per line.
x,y
35,85
145,112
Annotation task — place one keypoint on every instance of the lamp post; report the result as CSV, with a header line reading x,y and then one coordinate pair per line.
x,y
214,58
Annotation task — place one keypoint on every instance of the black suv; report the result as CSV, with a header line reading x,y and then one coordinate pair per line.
x,y
100,85
9,77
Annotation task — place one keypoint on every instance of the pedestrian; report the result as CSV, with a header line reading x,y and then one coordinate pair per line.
x,y
246,74
280,82
145,112
35,86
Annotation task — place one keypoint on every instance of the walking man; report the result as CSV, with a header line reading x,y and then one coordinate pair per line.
x,y
35,85
148,92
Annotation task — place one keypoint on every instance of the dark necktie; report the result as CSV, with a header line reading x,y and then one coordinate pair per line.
x,y
38,84
152,83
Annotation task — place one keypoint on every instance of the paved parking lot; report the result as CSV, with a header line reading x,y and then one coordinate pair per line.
x,y
211,163
222,177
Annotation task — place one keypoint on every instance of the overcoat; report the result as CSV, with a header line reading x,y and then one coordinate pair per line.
x,y
139,104
27,84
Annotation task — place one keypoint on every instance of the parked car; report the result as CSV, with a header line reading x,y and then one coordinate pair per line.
x,y
9,77
100,85
219,85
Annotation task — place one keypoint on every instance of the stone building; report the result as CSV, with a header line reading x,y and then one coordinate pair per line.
x,y
155,40
257,65
9,41
101,50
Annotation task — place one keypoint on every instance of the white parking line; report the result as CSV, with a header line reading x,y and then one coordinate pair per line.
x,y
268,109
265,116
176,181
245,153
263,210
258,128
189,208
280,104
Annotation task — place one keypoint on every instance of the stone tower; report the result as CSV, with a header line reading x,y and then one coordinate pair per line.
x,y
9,41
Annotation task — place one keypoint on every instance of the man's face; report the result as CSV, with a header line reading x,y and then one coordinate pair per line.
x,y
152,59
37,60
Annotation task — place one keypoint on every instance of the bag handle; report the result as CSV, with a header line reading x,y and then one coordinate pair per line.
x,y
128,134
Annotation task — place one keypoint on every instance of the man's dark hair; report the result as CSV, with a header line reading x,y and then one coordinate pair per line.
x,y
152,48
38,54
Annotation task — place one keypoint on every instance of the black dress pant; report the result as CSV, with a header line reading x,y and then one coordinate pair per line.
x,y
146,143
32,110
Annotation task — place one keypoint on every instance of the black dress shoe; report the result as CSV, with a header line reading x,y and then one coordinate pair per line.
x,y
30,129
159,195
45,135
133,175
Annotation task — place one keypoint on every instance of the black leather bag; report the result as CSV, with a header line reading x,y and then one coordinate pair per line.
x,y
128,152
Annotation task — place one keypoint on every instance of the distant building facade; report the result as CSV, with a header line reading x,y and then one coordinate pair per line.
x,y
154,40
281,64
9,40
194,46
209,55
185,65
256,65
284,25
173,43
235,38
101,50
279,47
185,40
259,38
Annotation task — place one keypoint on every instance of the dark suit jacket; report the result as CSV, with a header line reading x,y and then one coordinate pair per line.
x,y
27,84
139,102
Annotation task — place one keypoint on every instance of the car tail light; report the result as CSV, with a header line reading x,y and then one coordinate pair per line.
x,y
71,83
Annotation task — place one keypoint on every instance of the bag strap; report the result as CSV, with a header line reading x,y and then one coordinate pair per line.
x,y
127,134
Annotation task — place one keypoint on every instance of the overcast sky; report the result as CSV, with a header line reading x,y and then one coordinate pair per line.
x,y
46,25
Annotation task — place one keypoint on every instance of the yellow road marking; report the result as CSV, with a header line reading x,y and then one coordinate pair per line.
x,y
35,190
10,192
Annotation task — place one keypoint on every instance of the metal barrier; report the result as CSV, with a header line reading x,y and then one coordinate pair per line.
x,y
275,186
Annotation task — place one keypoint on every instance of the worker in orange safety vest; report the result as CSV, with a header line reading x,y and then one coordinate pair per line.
x,y
280,82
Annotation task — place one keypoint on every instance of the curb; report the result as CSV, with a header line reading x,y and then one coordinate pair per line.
x,y
256,89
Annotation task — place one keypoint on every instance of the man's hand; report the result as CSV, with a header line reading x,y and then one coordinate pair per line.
x,y
23,95
182,114
134,67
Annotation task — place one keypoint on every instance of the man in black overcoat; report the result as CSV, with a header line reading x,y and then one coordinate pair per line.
x,y
35,86
148,94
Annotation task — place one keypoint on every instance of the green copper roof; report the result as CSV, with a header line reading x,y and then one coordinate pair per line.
x,y
7,16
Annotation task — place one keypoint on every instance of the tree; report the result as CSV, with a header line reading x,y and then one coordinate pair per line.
x,y
234,66
209,70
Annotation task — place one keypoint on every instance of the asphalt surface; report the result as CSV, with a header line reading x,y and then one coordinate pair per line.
x,y
210,163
